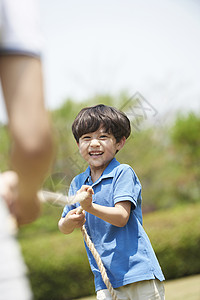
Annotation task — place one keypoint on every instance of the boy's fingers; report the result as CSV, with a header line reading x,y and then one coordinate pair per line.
x,y
79,211
87,188
84,188
90,190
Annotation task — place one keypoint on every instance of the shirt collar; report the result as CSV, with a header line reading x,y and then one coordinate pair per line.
x,y
107,173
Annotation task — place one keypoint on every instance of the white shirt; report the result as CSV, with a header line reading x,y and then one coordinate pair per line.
x,y
20,31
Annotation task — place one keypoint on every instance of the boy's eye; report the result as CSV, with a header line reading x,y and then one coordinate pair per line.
x,y
85,137
103,136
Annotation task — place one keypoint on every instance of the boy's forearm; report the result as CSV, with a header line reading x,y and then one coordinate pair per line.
x,y
117,216
65,227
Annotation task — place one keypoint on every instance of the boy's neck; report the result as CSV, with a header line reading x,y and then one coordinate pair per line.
x,y
95,175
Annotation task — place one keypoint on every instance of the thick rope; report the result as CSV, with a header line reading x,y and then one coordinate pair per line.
x,y
99,263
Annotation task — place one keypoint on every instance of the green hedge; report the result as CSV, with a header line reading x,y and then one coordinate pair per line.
x,y
58,265
175,237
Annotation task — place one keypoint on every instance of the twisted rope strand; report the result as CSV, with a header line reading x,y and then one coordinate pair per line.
x,y
99,262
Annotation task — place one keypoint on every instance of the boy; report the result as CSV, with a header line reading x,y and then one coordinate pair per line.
x,y
112,208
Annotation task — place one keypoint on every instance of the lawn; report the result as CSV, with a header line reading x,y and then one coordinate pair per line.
x,y
187,288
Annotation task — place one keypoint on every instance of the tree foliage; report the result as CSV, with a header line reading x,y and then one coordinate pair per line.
x,y
185,135
166,160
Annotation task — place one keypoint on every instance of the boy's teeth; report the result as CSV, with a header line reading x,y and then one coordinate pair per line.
x,y
96,153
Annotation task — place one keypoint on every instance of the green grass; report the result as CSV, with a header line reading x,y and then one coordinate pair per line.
x,y
187,288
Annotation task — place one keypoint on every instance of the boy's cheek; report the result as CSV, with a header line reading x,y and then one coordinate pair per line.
x,y
82,149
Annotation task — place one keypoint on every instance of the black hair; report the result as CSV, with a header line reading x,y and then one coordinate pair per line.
x,y
92,118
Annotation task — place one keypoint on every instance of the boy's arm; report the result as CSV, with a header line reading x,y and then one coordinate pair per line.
x,y
71,221
117,215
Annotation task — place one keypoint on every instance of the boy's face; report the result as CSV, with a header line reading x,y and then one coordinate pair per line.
x,y
99,148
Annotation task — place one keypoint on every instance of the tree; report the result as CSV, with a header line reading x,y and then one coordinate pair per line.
x,y
185,136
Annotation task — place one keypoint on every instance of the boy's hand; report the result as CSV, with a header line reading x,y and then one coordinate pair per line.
x,y
71,221
76,220
86,202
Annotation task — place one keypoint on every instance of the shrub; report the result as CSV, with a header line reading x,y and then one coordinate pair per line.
x,y
58,265
175,237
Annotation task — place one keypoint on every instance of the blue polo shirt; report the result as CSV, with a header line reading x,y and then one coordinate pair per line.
x,y
126,252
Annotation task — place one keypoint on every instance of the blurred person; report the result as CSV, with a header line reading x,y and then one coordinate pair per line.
x,y
22,83
32,148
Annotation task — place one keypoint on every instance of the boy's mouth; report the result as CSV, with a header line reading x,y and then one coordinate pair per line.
x,y
95,153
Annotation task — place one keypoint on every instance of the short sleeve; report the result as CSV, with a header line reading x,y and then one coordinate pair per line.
x,y
72,191
127,186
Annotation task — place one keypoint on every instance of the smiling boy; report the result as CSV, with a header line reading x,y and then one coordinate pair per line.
x,y
112,208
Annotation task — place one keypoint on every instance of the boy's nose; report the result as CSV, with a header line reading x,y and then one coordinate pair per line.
x,y
94,143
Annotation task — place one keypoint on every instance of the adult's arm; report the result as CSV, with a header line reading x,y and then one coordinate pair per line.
x,y
31,133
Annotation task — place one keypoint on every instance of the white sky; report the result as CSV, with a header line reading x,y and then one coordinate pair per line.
x,y
110,46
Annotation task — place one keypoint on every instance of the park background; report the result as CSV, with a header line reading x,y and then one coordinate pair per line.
x,y
143,58
166,160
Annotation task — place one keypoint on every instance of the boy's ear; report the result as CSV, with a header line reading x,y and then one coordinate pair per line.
x,y
121,143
